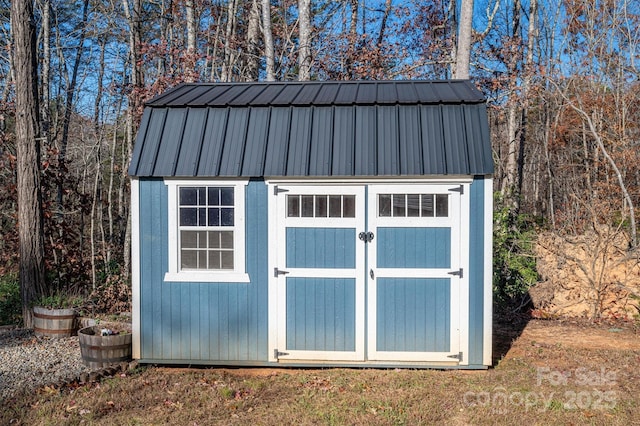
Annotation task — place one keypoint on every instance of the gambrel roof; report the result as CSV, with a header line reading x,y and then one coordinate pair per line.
x,y
346,128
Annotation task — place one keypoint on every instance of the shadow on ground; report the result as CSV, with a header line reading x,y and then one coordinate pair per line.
x,y
507,328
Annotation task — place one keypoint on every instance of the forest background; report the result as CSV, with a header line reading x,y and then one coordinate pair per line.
x,y
561,79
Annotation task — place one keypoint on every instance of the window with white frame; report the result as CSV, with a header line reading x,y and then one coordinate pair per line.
x,y
206,231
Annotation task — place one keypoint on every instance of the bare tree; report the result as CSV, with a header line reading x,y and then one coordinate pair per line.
x,y
463,51
229,54
71,86
45,76
268,40
192,48
31,229
304,33
253,39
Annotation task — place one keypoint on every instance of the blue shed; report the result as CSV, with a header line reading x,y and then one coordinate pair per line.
x,y
313,223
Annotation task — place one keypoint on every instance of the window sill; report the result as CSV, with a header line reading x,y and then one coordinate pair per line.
x,y
207,277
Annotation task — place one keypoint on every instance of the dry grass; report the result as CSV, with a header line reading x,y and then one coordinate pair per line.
x,y
542,379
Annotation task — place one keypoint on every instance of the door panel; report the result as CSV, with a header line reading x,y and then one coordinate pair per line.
x,y
413,315
320,273
413,303
330,248
413,247
321,314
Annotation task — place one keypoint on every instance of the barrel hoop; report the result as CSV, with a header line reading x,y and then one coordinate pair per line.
x,y
48,331
107,348
53,317
99,359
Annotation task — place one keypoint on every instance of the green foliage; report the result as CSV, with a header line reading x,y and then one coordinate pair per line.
x,y
59,301
514,262
10,304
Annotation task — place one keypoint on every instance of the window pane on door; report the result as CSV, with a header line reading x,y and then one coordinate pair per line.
x,y
413,205
427,205
384,205
442,205
321,206
349,206
307,206
293,206
335,206
399,206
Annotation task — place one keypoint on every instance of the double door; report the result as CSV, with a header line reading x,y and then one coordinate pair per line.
x,y
367,273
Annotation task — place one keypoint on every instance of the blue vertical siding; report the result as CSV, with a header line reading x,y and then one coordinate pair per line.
x,y
321,248
476,269
413,314
413,247
201,321
321,314
209,322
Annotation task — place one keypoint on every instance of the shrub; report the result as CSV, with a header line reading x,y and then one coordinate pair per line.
x,y
10,304
514,261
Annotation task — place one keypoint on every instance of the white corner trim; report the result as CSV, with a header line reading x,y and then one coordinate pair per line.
x,y
464,217
135,267
487,319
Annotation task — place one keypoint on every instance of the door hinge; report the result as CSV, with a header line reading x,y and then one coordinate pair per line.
x,y
457,356
277,354
459,189
458,273
277,272
277,190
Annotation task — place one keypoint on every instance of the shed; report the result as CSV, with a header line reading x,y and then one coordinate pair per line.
x,y
313,223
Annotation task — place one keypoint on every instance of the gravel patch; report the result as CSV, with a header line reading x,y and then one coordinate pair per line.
x,y
28,362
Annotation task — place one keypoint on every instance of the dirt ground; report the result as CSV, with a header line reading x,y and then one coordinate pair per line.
x,y
564,372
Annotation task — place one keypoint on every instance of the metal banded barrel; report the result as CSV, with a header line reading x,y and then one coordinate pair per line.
x,y
54,322
101,351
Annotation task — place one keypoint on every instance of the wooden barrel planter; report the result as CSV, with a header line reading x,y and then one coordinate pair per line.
x,y
101,351
54,322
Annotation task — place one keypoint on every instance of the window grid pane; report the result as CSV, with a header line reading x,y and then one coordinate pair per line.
x,y
442,205
399,206
307,206
384,205
413,205
206,207
321,205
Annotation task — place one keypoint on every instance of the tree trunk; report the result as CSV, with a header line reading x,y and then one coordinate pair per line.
x,y
45,70
192,33
268,40
383,23
191,27
253,37
304,28
510,185
70,92
135,36
31,228
451,31
229,57
463,51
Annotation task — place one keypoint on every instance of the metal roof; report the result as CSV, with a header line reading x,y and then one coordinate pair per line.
x,y
371,128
